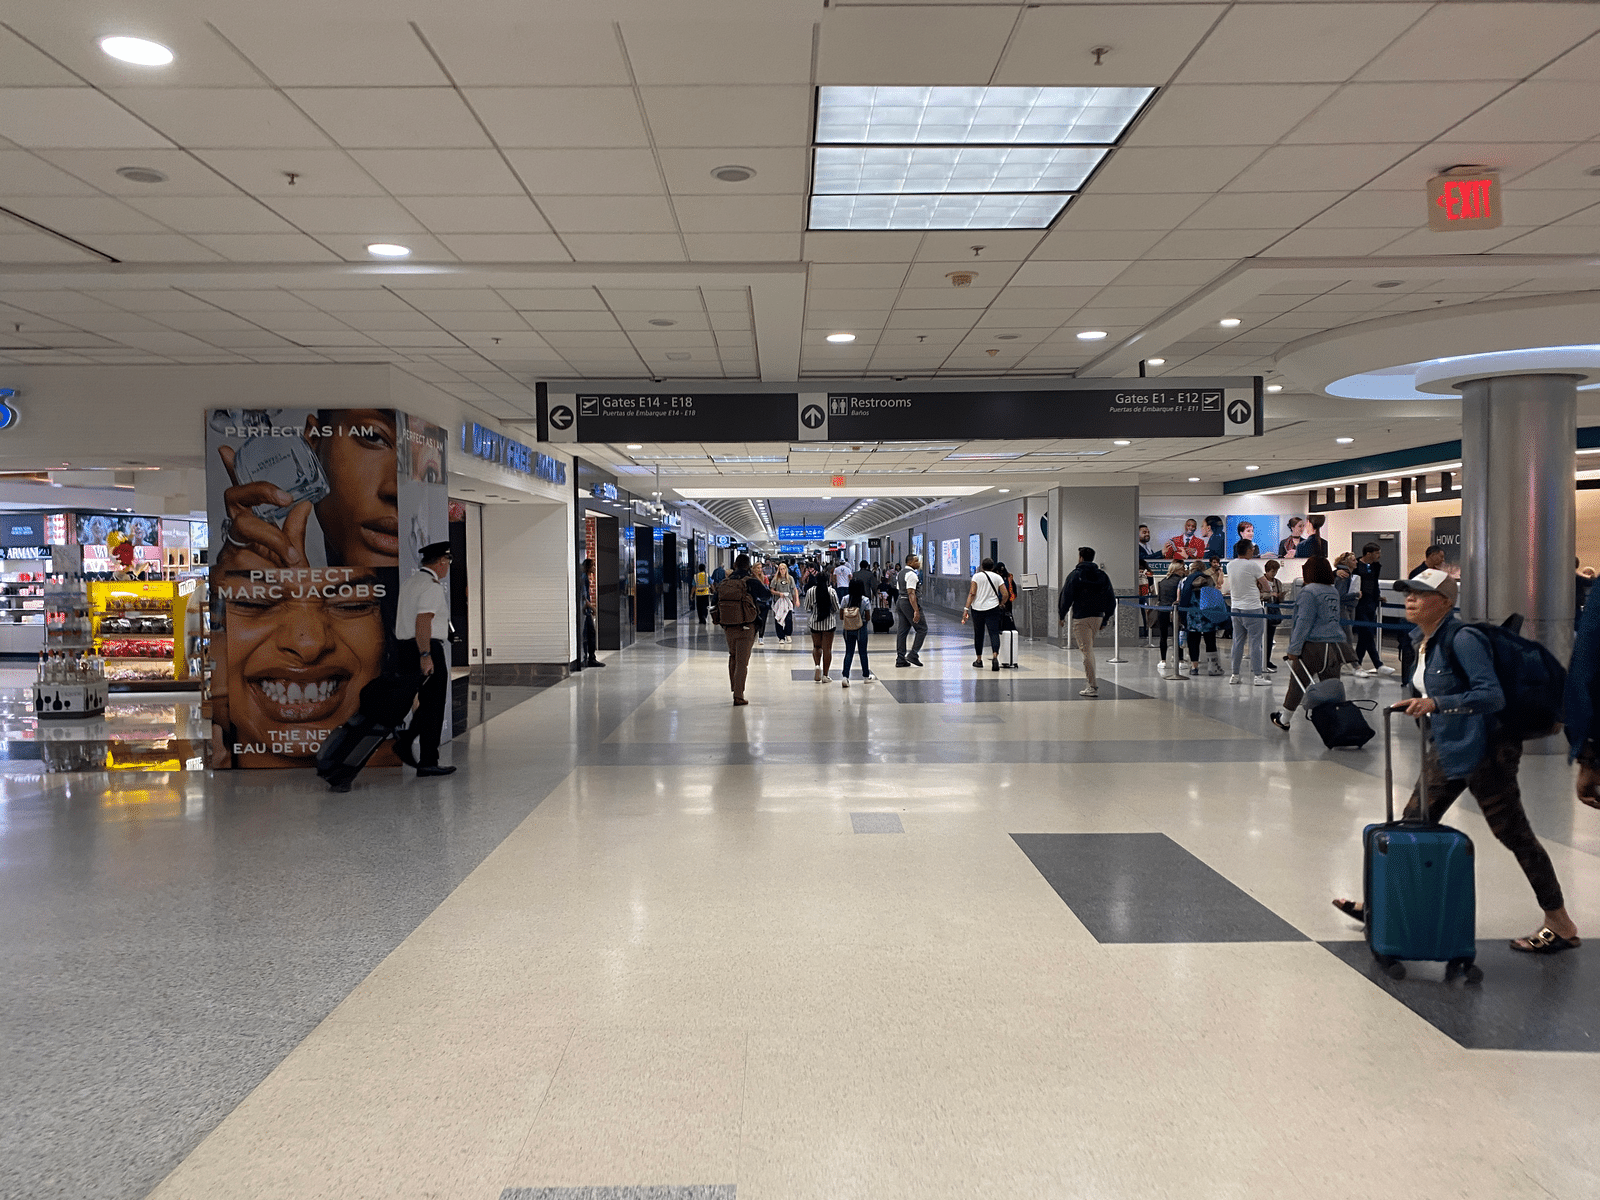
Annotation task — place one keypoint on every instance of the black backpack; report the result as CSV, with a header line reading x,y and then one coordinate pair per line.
x,y
1533,679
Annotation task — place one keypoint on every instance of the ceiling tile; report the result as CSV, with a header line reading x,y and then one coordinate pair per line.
x,y
1256,210
1296,43
440,172
523,53
860,247
1555,239
372,215
337,54
564,299
476,214
851,297
1567,168
857,275
71,118
654,301
1512,159
1012,245
688,171
1484,41
743,247
972,297
741,214
1054,46
1161,210
224,118
1226,114
729,116
1162,171
1161,272
316,172
1402,111
1096,244
609,214
575,322
587,172
153,247
505,247
1557,110
352,247
267,247
404,118
947,46
27,174
988,272
1318,168
18,244
23,66
478,321
211,214
538,117
1331,242
625,247
719,51
83,216
1067,274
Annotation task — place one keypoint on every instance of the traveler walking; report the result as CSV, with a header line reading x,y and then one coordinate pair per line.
x,y
738,599
841,576
908,607
855,620
1272,590
1369,603
1167,621
1088,595
1245,575
718,575
702,593
822,605
1198,625
1457,687
868,579
591,636
785,596
422,613
985,603
1316,639
1583,702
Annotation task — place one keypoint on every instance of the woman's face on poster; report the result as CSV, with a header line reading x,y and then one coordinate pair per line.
x,y
359,516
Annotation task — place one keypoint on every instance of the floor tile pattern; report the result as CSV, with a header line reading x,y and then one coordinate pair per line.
x,y
876,822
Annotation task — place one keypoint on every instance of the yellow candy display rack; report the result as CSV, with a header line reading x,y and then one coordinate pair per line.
x,y
140,627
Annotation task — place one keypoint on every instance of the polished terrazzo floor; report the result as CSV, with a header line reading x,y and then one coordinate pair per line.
x,y
830,945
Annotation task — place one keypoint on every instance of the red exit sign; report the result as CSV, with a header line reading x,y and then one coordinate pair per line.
x,y
1464,199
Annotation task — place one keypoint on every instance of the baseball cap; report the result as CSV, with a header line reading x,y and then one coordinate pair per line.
x,y
1431,580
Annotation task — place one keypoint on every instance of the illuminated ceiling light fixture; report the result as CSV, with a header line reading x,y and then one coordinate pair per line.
x,y
1194,479
388,250
1230,322
1252,467
1344,441
1122,442
1274,387
1156,362
841,338
1091,335
139,51
635,446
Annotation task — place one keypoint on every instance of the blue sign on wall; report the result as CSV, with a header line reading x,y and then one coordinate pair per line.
x,y
497,448
801,533
791,548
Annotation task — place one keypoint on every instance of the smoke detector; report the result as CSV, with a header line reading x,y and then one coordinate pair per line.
x,y
733,173
961,278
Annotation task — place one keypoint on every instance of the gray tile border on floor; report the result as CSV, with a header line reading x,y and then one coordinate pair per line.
x,y
693,1191
876,822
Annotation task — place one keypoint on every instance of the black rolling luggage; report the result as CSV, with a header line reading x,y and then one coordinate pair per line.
x,y
385,705
1338,721
882,620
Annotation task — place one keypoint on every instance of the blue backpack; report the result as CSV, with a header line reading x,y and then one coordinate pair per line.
x,y
1213,612
1533,679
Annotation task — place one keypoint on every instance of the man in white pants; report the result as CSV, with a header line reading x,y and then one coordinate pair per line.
x,y
1245,575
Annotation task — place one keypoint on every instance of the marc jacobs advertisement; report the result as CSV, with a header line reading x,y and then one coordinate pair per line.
x,y
318,513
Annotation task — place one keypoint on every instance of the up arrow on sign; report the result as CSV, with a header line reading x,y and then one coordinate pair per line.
x,y
1241,413
812,415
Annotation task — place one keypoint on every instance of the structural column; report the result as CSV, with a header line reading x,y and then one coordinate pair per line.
x,y
1519,503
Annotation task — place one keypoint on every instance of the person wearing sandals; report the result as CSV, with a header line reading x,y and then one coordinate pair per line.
x,y
855,618
985,598
1455,683
1316,639
822,606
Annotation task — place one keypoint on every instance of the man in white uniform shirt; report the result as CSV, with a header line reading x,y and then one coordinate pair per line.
x,y
423,615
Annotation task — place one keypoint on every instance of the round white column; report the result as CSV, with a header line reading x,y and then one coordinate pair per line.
x,y
1519,503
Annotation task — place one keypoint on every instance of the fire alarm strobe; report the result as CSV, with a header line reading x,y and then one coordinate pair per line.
x,y
1464,198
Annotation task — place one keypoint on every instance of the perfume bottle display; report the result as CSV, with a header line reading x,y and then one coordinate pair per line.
x,y
288,462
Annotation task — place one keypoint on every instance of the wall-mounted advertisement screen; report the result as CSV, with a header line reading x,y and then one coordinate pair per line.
x,y
974,553
950,557
320,514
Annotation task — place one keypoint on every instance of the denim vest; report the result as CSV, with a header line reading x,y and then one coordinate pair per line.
x,y
1467,701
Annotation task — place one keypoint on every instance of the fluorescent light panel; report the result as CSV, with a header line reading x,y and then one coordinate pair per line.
x,y
977,115
896,170
749,458
998,211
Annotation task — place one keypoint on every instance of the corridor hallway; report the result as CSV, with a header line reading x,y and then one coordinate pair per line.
x,y
950,934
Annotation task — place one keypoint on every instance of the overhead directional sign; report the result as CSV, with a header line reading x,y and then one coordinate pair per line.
x,y
1073,408
801,533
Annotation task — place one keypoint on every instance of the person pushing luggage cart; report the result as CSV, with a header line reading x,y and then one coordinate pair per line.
x,y
1476,746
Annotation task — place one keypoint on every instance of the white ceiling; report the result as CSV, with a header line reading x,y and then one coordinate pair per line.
x,y
548,133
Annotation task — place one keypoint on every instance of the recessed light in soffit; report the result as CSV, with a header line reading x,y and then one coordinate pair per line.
x,y
960,157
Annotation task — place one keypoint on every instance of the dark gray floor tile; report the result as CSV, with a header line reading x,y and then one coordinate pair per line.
x,y
1525,1002
694,1191
876,822
1144,887
1000,687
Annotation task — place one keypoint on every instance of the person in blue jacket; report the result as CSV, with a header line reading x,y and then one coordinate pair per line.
x,y
1455,684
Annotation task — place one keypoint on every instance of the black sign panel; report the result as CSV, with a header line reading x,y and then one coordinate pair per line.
x,y
22,529
1134,411
672,417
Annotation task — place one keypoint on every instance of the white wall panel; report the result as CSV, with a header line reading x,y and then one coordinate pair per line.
x,y
528,590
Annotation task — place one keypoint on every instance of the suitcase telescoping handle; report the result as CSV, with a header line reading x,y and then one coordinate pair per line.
x,y
1388,763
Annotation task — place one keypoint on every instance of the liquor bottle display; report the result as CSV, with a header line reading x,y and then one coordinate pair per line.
x,y
71,678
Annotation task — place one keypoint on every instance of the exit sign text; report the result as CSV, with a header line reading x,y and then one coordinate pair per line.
x,y
1464,200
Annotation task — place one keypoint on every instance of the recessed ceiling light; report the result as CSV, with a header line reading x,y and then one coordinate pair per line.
x,y
1091,335
138,51
1194,479
661,321
1252,467
1388,283
1274,387
1229,322
388,250
841,337
1344,441
635,446
1003,491
1156,362
1122,442
1005,337
677,356
142,174
733,173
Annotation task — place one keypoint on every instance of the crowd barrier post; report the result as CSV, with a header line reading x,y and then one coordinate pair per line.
x,y
1116,638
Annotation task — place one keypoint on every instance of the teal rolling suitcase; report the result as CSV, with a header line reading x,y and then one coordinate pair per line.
x,y
1421,899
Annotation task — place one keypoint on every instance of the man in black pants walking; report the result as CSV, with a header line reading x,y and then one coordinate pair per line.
x,y
1367,609
424,611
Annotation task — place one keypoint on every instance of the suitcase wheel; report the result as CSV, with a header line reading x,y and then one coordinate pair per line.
x,y
1395,970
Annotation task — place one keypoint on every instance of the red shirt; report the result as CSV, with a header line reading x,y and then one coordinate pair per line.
x,y
1185,546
